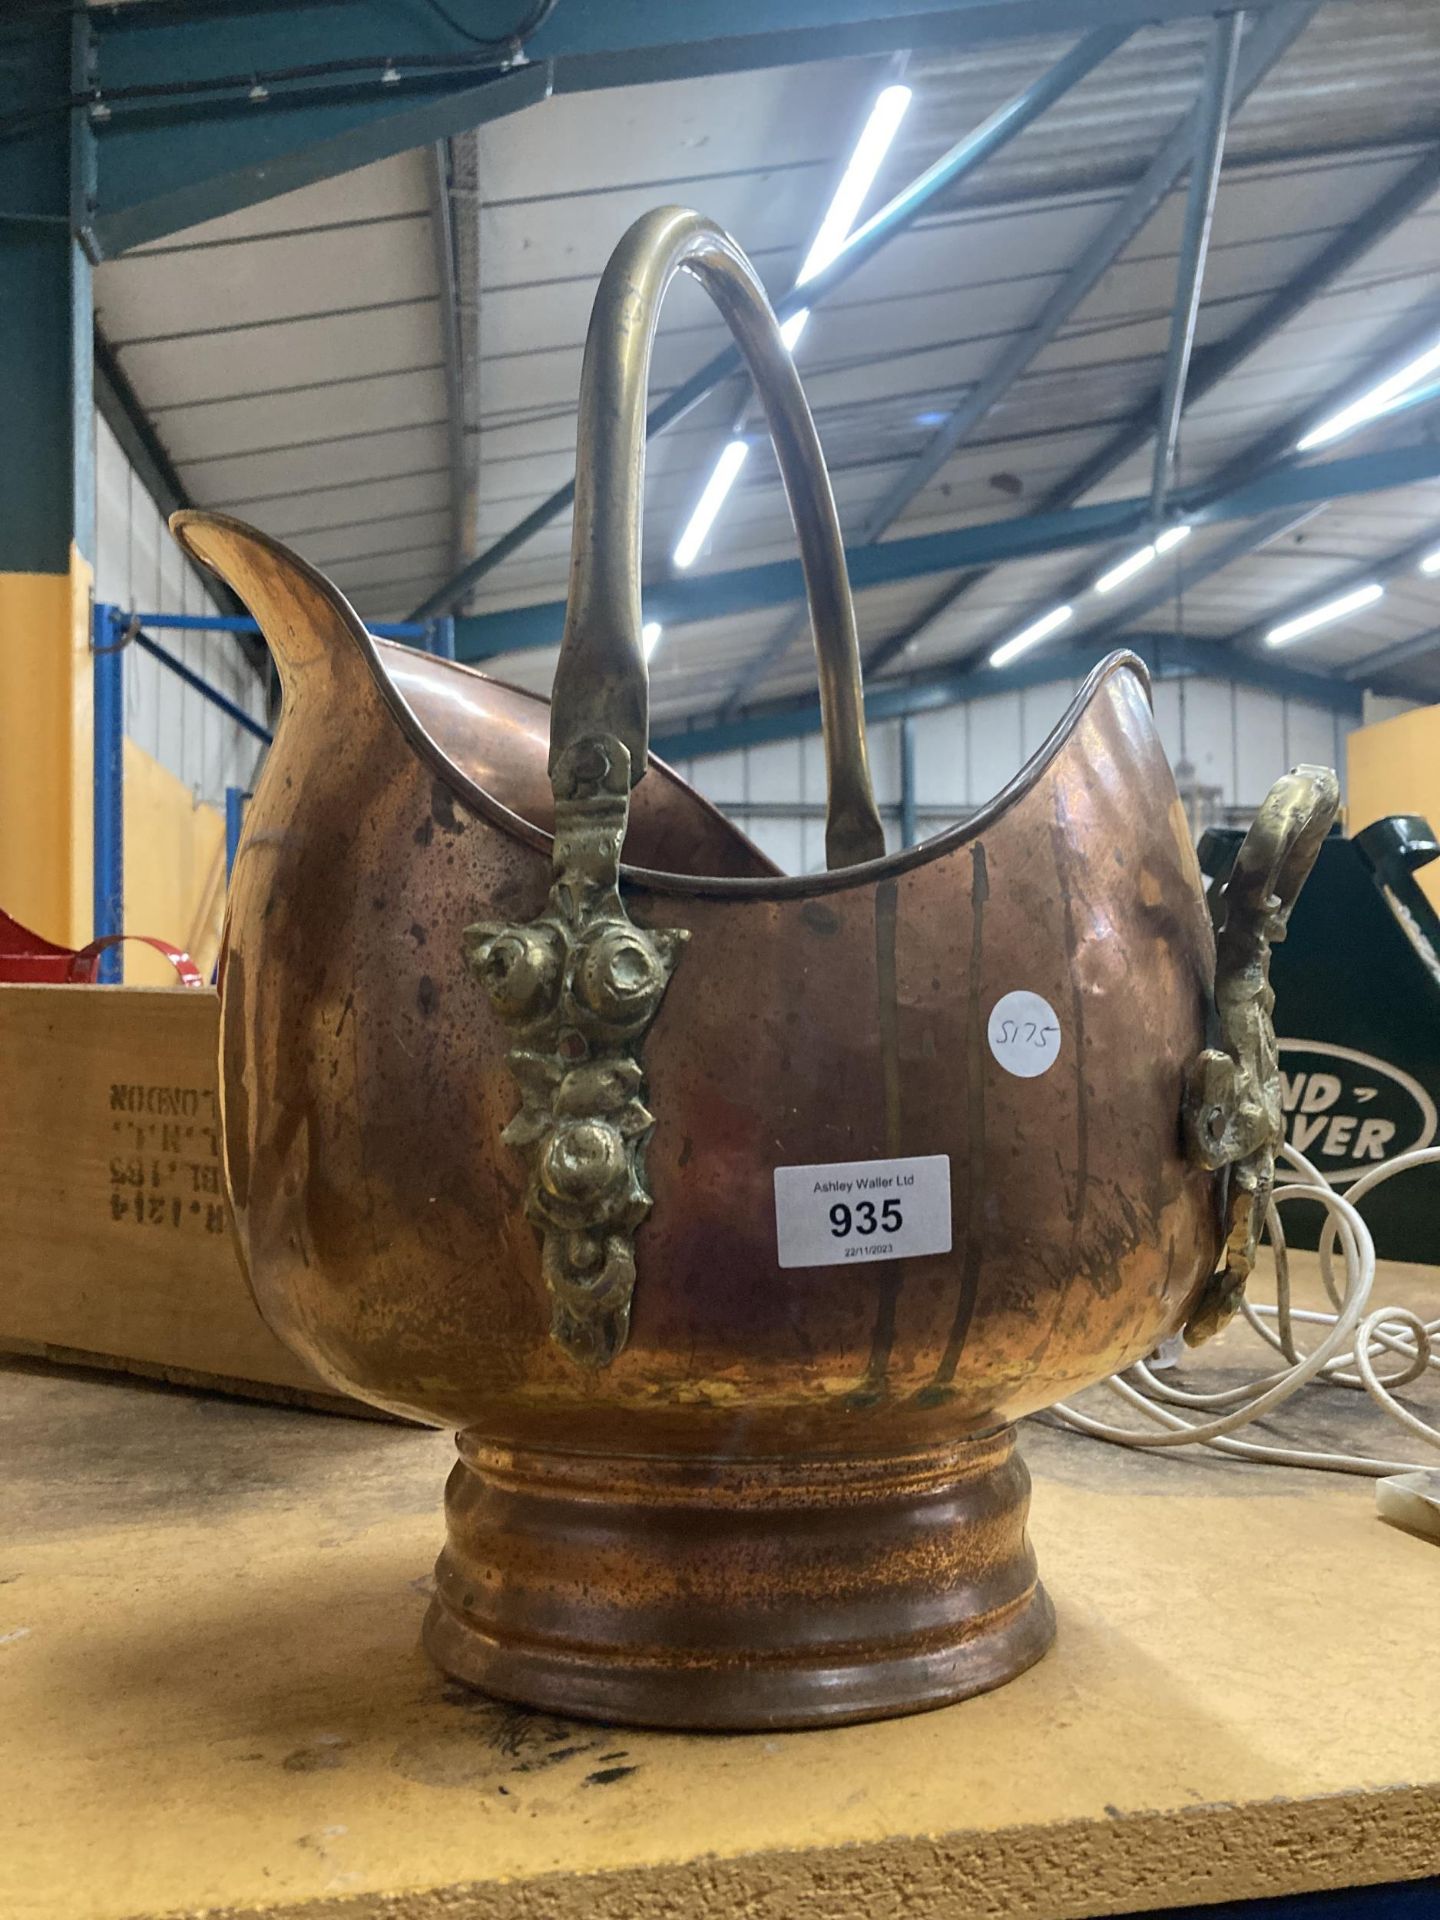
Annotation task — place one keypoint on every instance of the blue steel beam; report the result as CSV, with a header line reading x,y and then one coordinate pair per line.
x,y
243,624
777,582
107,877
235,798
1168,656
230,708
1264,45
47,478
1211,365
964,158
1195,245
1272,452
1215,363
156,181
1266,456
257,99
908,834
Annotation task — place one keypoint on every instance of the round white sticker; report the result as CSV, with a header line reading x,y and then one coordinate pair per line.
x,y
1024,1033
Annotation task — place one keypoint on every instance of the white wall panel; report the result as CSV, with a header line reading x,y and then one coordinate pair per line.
x,y
1209,727
1309,735
942,757
1040,709
783,840
721,778
884,745
1168,707
1260,752
773,771
812,768
995,750
1236,738
139,567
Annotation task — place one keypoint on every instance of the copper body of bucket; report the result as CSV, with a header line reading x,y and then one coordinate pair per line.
x,y
697,1487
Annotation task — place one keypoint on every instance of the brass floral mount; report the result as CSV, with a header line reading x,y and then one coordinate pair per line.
x,y
581,985
1232,1113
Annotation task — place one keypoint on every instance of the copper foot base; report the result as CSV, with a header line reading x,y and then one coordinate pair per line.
x,y
737,1594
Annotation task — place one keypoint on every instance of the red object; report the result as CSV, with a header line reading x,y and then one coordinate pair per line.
x,y
25,957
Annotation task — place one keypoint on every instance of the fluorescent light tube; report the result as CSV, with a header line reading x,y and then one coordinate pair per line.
x,y
1322,615
1133,563
1377,401
1125,570
859,176
791,329
1028,636
1431,562
650,636
727,471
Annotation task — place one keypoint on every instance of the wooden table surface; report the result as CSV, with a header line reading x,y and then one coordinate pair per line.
x,y
212,1698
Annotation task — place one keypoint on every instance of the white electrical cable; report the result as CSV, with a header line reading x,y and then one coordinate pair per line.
x,y
1346,1355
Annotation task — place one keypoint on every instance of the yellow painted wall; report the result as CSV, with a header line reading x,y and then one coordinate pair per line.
x,y
174,870
46,756
1394,767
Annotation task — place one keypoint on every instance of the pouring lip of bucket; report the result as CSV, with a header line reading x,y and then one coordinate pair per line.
x,y
783,886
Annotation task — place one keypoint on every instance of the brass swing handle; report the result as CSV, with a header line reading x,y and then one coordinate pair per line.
x,y
601,682
580,985
1232,1112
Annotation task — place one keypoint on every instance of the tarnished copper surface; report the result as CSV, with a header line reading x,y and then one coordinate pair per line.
x,y
499,737
836,1017
753,1595
782,1496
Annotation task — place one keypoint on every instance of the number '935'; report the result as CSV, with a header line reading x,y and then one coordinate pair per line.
x,y
862,1218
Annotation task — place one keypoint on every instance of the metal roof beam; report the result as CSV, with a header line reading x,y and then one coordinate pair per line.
x,y
774,583
1271,452
1168,657
1216,363
1264,45
1267,40
964,158
200,107
443,230
1195,245
1212,365
166,165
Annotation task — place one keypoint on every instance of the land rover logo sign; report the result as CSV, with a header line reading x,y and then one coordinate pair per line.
x,y
1346,1110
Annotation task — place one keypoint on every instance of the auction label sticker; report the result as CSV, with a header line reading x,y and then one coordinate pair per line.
x,y
1024,1033
826,1216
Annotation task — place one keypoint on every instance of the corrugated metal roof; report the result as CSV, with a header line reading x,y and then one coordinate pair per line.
x,y
332,431
290,358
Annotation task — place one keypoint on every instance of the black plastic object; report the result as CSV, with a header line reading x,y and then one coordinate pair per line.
x,y
1357,1009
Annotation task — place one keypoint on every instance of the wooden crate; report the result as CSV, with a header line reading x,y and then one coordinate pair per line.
x,y
115,1240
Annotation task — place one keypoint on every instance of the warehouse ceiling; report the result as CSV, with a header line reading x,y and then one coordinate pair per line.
x,y
383,369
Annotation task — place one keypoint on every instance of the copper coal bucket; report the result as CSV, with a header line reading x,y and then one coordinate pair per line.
x,y
732,1218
